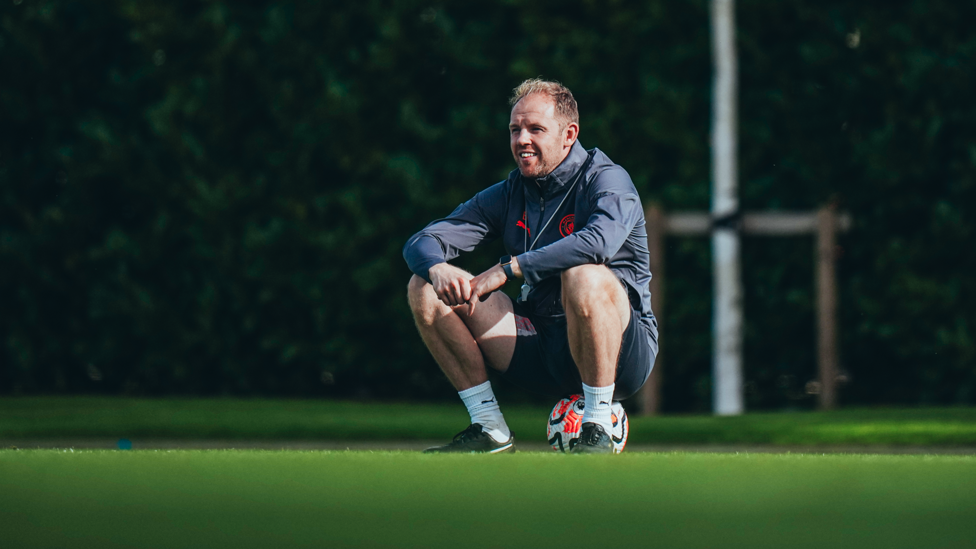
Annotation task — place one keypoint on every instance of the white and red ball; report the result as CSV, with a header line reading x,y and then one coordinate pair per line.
x,y
565,423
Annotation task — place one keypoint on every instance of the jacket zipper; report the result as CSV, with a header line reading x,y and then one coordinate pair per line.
x,y
542,212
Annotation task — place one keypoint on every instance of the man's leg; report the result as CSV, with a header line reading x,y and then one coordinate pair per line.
x,y
597,313
463,345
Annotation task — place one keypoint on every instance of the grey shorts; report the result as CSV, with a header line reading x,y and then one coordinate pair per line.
x,y
543,364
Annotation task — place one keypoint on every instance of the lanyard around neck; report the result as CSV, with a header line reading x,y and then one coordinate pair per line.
x,y
556,211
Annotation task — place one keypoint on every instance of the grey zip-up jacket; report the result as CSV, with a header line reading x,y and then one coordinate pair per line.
x,y
600,222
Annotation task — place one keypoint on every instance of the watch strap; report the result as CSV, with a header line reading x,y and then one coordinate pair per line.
x,y
506,263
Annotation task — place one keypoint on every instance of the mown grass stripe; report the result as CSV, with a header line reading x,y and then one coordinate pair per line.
x,y
265,419
243,499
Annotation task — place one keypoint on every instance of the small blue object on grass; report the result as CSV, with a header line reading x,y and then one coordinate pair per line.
x,y
125,444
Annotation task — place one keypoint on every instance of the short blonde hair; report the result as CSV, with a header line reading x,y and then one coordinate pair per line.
x,y
566,109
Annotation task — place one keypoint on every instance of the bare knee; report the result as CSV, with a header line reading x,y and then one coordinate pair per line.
x,y
586,287
415,287
583,284
585,276
423,301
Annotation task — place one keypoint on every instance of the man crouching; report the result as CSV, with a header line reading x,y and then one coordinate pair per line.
x,y
573,226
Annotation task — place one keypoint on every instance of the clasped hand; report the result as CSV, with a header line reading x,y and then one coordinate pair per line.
x,y
455,286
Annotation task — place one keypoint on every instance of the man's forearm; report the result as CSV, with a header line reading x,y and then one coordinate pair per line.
x,y
596,243
422,252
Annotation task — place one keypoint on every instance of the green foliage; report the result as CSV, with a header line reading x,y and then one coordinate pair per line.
x,y
210,198
866,106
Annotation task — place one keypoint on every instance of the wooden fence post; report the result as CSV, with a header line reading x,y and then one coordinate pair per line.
x,y
827,307
825,223
654,216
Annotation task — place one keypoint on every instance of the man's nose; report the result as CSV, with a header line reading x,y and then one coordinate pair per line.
x,y
523,138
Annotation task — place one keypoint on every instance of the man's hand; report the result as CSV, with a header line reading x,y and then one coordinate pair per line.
x,y
452,285
484,284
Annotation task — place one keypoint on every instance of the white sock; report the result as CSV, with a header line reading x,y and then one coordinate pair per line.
x,y
597,409
483,409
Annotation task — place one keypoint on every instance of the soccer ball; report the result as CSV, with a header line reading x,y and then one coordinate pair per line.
x,y
566,420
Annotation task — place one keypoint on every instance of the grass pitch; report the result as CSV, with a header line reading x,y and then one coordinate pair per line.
x,y
263,419
163,499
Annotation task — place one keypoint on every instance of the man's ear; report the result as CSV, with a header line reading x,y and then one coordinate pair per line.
x,y
570,133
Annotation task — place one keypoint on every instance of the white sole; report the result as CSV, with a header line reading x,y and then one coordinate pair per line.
x,y
502,449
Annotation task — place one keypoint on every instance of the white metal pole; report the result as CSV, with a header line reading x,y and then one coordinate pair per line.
x,y
727,330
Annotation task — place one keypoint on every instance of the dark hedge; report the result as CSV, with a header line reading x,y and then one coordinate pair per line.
x,y
210,198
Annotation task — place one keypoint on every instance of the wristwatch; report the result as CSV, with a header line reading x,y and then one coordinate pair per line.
x,y
506,263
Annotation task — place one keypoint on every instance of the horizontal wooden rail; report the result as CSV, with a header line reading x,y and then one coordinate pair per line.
x,y
768,224
824,224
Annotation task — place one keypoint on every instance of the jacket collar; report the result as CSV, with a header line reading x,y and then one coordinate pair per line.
x,y
564,173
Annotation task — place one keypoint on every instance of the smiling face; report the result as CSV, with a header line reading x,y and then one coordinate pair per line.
x,y
540,141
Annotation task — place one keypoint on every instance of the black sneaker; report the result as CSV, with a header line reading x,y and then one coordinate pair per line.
x,y
592,440
474,440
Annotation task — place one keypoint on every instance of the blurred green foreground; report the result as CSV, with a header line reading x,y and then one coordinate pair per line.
x,y
239,419
244,499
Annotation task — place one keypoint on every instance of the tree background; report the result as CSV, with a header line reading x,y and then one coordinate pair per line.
x,y
209,198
